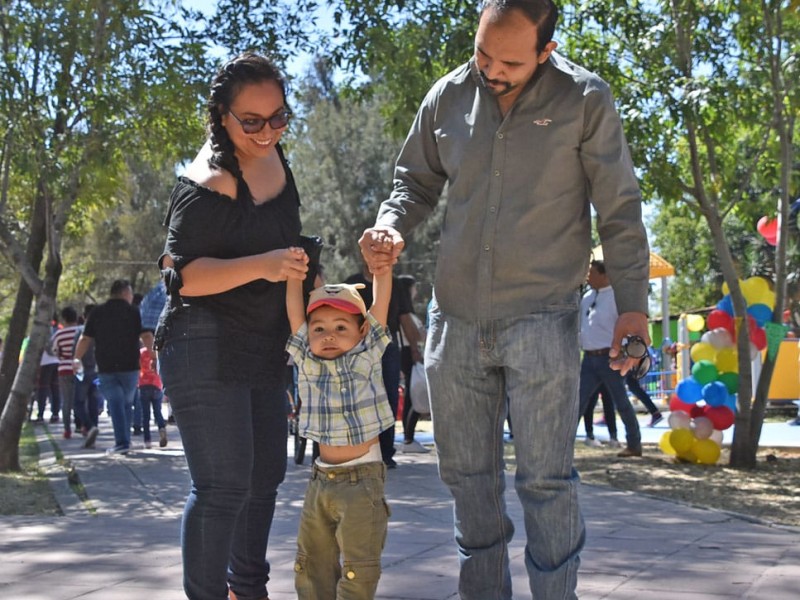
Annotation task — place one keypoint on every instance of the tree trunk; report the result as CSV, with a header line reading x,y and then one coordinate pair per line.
x,y
18,327
16,408
745,443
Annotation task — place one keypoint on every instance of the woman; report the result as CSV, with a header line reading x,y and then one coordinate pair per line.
x,y
231,218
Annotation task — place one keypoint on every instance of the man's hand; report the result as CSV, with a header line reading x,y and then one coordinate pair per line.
x,y
628,324
380,247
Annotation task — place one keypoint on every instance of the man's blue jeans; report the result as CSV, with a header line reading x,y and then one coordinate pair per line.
x,y
119,389
473,367
86,399
234,438
595,371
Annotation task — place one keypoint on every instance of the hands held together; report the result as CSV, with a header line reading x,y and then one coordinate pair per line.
x,y
380,247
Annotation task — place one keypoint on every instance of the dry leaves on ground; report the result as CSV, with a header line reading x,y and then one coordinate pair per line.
x,y
769,493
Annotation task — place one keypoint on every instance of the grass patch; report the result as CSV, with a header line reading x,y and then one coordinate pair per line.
x,y
27,492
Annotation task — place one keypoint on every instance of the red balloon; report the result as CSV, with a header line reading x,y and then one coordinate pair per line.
x,y
697,410
676,403
751,327
719,318
768,228
759,337
721,416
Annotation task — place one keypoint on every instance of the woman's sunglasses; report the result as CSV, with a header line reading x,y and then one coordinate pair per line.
x,y
253,125
634,347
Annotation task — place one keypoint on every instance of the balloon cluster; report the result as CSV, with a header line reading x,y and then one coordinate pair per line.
x,y
704,404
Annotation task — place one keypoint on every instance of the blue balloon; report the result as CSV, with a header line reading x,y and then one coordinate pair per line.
x,y
731,403
726,304
689,390
715,393
760,312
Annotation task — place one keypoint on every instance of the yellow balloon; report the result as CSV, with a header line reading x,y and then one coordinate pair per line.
x,y
767,298
754,288
703,351
727,360
695,322
726,289
664,444
706,451
681,440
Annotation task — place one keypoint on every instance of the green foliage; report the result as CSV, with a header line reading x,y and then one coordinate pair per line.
x,y
684,241
343,162
87,90
401,48
343,158
277,28
690,75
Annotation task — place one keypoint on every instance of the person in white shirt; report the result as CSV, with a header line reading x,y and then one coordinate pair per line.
x,y
599,314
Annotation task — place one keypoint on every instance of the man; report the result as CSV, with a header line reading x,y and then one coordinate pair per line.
x,y
523,139
115,327
598,317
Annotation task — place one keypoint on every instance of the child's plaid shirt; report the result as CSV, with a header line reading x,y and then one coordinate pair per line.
x,y
344,399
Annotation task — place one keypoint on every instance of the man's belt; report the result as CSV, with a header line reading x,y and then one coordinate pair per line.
x,y
600,352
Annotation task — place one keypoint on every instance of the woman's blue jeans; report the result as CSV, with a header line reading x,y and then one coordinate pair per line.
x,y
234,438
473,367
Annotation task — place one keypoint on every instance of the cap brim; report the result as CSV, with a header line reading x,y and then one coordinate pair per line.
x,y
347,307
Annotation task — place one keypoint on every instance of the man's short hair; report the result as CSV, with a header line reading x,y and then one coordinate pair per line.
x,y
69,314
119,286
599,265
542,13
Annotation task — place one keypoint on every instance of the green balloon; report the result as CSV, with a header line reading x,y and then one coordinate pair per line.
x,y
731,381
704,371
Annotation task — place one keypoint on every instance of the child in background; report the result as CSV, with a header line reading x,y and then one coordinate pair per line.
x,y
345,516
151,393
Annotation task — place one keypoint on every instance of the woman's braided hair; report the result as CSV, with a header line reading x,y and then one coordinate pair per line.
x,y
245,69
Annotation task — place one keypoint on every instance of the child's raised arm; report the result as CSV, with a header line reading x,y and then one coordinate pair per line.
x,y
295,307
381,296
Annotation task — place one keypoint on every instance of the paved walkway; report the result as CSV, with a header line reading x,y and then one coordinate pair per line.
x,y
122,543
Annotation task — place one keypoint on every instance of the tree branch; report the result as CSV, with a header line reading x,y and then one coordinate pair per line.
x,y
16,254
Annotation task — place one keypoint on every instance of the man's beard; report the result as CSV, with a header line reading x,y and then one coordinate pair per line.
x,y
485,81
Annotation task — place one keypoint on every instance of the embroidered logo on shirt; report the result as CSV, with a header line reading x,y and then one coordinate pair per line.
x,y
543,122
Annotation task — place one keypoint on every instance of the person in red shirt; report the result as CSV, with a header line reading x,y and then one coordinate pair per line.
x,y
151,393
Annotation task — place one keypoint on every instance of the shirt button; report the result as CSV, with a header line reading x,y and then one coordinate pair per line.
x,y
500,136
343,390
497,173
486,247
493,209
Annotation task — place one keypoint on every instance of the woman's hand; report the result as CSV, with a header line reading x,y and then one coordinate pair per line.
x,y
284,264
